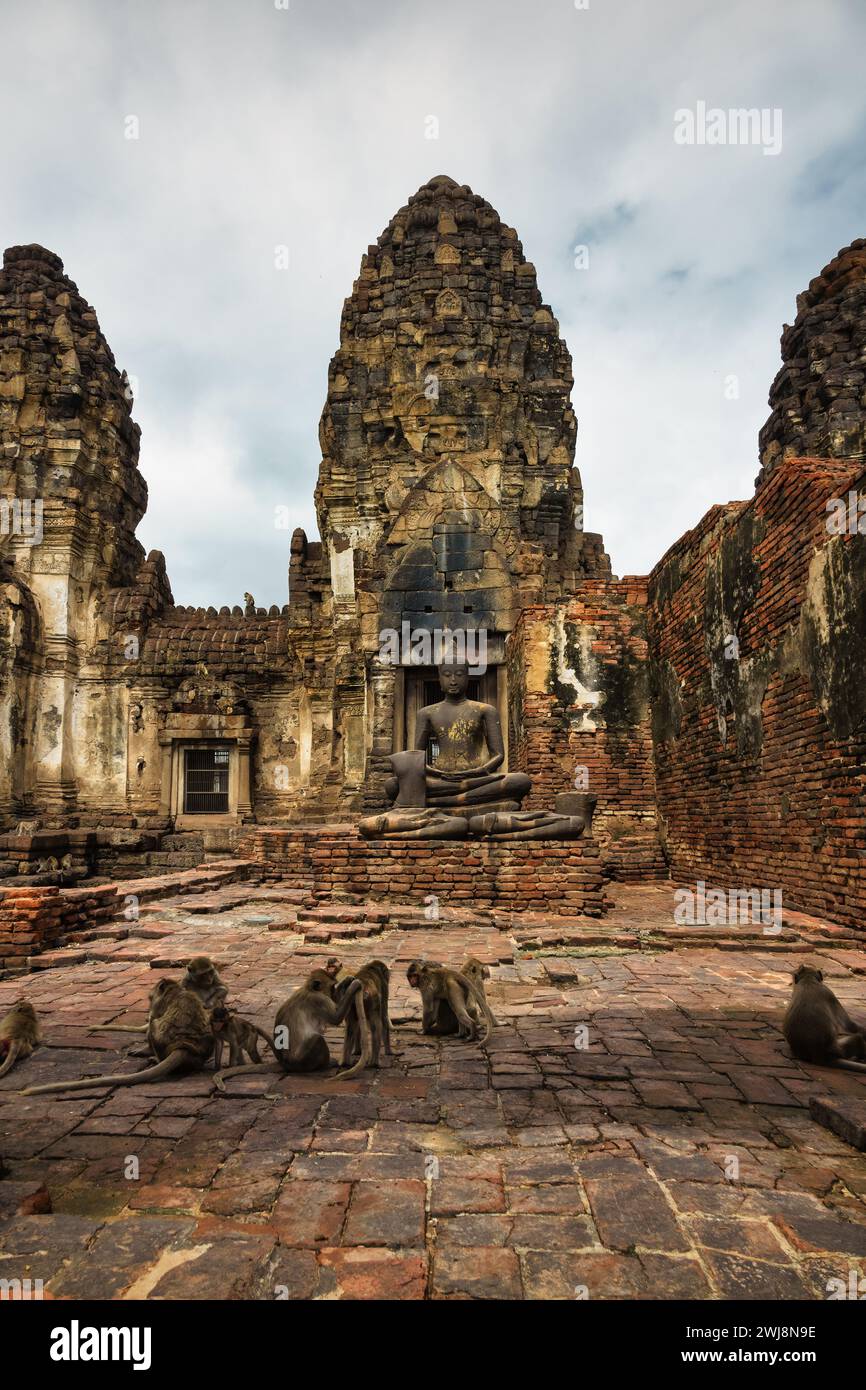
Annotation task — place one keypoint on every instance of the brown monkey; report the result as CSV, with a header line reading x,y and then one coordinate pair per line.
x,y
369,1026
300,1025
19,1034
202,978
445,994
178,1034
817,1027
241,1035
476,971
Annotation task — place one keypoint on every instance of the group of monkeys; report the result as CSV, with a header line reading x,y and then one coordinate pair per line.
x,y
189,1023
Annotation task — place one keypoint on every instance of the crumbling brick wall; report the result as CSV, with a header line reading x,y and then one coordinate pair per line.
x,y
757,634
581,717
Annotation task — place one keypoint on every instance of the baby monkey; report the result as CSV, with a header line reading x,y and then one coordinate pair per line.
x,y
241,1035
19,1034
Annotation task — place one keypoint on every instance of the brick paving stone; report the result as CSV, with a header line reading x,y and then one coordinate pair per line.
x,y
120,1252
474,1229
488,1272
562,1199
450,1196
23,1199
543,1231
628,1206
386,1213
311,1213
372,1274
219,1267
545,1168
736,1277
845,1116
289,1275
576,1277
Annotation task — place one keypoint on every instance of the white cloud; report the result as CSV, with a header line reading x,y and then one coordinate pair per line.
x,y
306,127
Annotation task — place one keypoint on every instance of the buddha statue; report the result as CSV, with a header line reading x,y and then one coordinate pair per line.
x,y
468,736
441,799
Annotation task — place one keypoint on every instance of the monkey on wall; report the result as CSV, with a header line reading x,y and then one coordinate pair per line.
x,y
19,1034
818,1029
300,1026
179,1035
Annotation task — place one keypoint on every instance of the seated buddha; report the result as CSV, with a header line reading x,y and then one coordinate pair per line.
x,y
431,797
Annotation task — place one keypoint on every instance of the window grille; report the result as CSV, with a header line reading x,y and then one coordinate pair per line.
x,y
206,781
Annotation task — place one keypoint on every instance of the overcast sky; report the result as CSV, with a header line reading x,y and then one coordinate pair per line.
x,y
307,127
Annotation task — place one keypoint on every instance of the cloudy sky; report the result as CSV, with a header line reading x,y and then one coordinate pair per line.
x,y
307,126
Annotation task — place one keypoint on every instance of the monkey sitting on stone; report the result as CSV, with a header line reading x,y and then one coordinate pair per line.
x,y
300,1026
19,1034
817,1027
368,1026
445,996
178,1034
202,978
241,1035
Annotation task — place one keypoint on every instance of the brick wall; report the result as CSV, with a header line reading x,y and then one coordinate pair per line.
x,y
38,919
562,877
578,689
757,632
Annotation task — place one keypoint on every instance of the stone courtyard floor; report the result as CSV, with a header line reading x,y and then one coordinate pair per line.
x,y
674,1156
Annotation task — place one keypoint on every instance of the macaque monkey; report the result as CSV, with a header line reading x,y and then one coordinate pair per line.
x,y
817,1027
369,1026
178,1034
300,1025
445,994
202,978
19,1034
241,1035
476,971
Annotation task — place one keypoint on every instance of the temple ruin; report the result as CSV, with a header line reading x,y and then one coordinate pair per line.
x,y
715,710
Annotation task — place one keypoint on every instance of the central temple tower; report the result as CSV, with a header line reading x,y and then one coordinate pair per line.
x,y
447,496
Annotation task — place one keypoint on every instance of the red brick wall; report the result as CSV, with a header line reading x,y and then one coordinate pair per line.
x,y
563,877
774,795
578,694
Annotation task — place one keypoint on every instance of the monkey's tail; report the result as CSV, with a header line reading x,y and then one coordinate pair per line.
x,y
221,1077
482,1004
118,1028
266,1037
11,1057
173,1062
841,1062
366,1056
